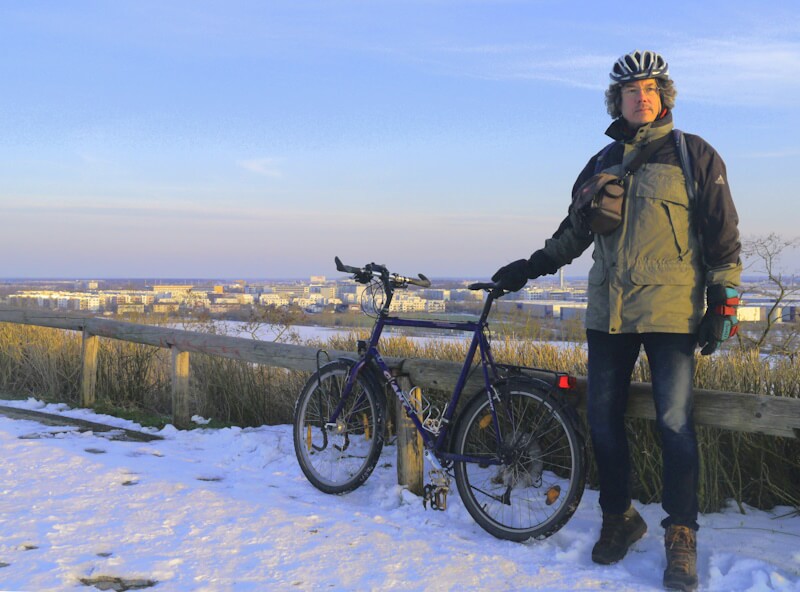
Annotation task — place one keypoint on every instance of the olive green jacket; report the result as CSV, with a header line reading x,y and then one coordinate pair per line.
x,y
650,274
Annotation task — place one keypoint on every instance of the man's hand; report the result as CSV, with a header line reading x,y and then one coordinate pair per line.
x,y
514,276
720,322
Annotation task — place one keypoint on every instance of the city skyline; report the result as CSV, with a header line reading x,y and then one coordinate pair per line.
x,y
318,294
259,139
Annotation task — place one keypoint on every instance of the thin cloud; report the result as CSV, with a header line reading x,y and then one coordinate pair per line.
x,y
525,62
750,71
745,71
788,153
268,167
121,210
184,210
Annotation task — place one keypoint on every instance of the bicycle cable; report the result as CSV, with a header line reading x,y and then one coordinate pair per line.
x,y
372,298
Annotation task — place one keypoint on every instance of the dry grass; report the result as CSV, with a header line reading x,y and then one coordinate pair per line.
x,y
40,362
761,471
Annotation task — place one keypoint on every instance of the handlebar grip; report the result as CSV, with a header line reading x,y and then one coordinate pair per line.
x,y
422,282
484,286
345,268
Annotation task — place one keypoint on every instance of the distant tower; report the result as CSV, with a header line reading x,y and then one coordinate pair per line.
x,y
561,277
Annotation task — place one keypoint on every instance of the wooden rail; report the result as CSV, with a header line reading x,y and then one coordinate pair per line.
x,y
745,412
761,414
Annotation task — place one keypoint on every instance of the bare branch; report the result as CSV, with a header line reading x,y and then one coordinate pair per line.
x,y
762,255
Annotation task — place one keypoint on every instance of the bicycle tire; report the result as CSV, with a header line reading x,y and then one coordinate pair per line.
x,y
337,458
539,482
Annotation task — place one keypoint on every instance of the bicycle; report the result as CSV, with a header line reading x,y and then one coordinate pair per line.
x,y
516,449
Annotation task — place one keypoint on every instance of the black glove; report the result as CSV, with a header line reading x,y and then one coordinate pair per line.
x,y
720,322
515,275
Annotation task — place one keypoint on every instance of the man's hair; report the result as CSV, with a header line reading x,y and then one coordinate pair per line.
x,y
666,89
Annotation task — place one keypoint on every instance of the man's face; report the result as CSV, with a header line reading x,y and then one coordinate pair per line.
x,y
641,101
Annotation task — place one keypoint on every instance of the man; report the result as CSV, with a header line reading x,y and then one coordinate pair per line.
x,y
646,288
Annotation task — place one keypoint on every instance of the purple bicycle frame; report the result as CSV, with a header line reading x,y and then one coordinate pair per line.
x,y
479,343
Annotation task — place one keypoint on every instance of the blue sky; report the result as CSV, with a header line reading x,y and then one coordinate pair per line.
x,y
246,139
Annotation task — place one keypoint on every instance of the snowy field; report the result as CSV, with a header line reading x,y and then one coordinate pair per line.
x,y
230,510
316,333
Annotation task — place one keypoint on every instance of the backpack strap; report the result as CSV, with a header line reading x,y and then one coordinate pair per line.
x,y
598,164
686,163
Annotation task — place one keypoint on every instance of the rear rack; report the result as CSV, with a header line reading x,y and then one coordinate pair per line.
x,y
559,380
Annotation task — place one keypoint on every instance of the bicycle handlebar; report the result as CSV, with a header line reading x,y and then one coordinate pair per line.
x,y
494,288
370,270
483,286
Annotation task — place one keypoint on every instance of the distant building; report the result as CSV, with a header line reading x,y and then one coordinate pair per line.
x,y
273,300
319,293
435,294
546,309
178,291
569,313
166,307
750,313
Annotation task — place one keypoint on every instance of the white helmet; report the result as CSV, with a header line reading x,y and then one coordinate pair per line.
x,y
639,65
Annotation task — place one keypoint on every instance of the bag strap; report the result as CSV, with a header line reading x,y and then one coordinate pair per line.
x,y
686,163
683,156
638,160
644,154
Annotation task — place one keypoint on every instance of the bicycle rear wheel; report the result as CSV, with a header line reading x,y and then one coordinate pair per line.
x,y
534,472
337,456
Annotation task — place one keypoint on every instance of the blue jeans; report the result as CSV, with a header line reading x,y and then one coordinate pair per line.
x,y
671,359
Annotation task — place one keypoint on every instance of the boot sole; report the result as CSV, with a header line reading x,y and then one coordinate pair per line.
x,y
680,584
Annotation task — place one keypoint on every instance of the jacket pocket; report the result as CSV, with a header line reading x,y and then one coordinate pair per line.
x,y
663,273
679,222
662,212
664,184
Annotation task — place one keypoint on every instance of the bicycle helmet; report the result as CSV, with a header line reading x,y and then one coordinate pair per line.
x,y
639,65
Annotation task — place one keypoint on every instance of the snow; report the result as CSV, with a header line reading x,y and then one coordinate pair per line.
x,y
230,510
319,333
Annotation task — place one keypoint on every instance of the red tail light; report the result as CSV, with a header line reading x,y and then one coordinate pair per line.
x,y
565,381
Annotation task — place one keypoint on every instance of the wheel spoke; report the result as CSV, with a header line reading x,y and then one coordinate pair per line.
x,y
541,475
337,453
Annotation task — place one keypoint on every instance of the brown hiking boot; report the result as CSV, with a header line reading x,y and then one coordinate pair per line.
x,y
680,543
618,533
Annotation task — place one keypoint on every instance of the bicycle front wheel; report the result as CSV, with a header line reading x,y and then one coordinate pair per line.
x,y
530,468
338,452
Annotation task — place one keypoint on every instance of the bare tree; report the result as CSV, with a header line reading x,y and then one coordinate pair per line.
x,y
763,254
273,320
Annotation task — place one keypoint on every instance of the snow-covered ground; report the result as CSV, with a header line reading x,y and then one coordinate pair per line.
x,y
230,510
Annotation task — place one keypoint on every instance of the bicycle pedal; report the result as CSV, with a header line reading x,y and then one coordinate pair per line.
x,y
436,496
427,495
441,498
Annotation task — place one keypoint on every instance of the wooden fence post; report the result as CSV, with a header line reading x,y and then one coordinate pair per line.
x,y
180,388
410,460
89,349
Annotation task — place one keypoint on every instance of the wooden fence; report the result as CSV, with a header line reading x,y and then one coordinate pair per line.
x,y
762,414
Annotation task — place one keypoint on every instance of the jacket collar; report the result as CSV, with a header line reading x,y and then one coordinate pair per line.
x,y
620,131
